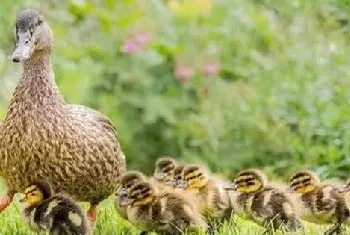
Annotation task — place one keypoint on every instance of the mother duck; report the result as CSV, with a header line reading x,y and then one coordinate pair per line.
x,y
43,137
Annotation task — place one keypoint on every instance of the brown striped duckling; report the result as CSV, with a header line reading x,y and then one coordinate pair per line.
x,y
165,213
128,180
164,170
177,177
319,203
268,206
212,200
52,214
345,192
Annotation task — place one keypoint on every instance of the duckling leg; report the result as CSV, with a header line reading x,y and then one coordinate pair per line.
x,y
92,214
6,200
334,230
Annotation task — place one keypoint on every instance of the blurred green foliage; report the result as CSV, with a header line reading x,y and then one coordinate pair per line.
x,y
228,83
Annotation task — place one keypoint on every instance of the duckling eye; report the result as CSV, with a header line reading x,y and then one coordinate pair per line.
x,y
39,22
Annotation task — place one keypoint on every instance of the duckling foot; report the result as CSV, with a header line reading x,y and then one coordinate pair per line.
x,y
92,215
6,200
335,230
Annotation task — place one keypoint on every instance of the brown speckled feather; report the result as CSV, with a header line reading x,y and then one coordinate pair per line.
x,y
325,205
73,147
54,215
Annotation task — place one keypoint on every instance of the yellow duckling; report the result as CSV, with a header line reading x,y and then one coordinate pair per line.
x,y
164,171
267,206
164,213
50,214
177,177
212,200
128,180
319,203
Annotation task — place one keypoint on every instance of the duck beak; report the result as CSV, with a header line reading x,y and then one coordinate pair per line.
x,y
290,189
171,183
159,175
231,187
24,47
345,189
182,184
22,199
122,192
124,201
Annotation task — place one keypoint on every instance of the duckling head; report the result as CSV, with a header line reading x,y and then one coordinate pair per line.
x,y
178,176
165,169
36,192
141,194
248,181
304,182
32,34
128,180
346,186
194,176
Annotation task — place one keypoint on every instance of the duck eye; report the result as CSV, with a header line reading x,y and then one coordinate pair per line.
x,y
40,21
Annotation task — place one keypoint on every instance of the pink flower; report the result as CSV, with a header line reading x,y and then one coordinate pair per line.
x,y
136,42
142,39
130,47
211,68
183,72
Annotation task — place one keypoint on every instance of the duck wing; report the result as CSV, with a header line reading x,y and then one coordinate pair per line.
x,y
92,116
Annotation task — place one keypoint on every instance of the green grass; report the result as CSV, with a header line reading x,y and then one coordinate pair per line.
x,y
110,223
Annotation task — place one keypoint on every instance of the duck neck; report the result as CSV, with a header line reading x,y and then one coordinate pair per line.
x,y
37,86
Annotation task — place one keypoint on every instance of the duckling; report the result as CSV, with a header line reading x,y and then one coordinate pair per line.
x,y
42,137
164,171
319,203
267,206
177,176
52,214
212,200
128,180
344,191
165,213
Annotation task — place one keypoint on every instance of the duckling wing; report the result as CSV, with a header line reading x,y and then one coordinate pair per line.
x,y
65,215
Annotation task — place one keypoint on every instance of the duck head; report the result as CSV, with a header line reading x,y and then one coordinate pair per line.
x,y
194,176
304,182
36,192
141,194
165,169
128,180
248,181
177,177
32,34
346,187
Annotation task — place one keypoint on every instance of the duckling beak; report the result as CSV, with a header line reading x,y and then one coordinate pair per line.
x,y
290,189
22,199
345,189
121,192
24,47
231,187
124,201
159,175
182,184
171,183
